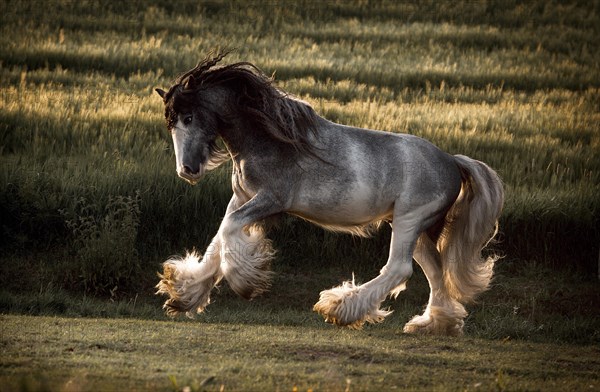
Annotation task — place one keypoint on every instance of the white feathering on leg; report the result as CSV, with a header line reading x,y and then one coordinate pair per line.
x,y
246,259
188,281
344,306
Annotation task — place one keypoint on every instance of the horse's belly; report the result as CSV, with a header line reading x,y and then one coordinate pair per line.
x,y
352,208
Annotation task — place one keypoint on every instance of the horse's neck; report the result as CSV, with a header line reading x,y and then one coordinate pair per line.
x,y
233,139
241,141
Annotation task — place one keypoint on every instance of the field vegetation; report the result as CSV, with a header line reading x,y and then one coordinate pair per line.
x,y
113,354
90,204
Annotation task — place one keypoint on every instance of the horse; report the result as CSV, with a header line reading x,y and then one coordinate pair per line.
x,y
443,209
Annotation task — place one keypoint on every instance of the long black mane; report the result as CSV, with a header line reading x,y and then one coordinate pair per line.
x,y
258,102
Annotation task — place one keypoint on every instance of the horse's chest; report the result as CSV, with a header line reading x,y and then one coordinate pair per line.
x,y
241,186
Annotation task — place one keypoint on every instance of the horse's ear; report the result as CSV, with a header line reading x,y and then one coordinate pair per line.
x,y
161,92
190,84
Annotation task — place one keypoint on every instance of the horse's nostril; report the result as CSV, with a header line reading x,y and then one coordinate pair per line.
x,y
188,170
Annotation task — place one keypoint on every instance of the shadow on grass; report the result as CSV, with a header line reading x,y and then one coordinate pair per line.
x,y
525,302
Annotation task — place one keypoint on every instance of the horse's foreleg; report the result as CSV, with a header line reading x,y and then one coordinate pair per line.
x,y
188,280
246,253
443,315
352,305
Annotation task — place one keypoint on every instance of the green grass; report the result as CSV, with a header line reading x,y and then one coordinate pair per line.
x,y
101,354
514,86
525,302
535,329
83,146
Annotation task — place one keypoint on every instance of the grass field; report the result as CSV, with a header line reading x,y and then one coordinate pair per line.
x,y
90,203
101,354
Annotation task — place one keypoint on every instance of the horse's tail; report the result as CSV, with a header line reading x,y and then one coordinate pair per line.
x,y
471,223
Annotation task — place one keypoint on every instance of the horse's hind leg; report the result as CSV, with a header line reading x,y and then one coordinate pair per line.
x,y
352,305
443,315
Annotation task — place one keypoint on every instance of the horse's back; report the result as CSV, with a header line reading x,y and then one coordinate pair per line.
x,y
404,165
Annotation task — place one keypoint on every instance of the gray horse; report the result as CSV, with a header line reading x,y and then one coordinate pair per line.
x,y
287,159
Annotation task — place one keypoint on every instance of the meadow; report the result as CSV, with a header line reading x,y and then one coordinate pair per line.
x,y
90,204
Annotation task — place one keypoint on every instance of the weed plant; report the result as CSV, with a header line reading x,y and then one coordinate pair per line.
x,y
104,244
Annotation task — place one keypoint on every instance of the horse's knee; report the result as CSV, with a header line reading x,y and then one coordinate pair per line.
x,y
226,229
399,271
229,231
246,255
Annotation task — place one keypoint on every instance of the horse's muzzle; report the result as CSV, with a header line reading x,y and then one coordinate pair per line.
x,y
189,175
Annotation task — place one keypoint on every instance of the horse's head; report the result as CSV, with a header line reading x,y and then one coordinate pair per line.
x,y
193,128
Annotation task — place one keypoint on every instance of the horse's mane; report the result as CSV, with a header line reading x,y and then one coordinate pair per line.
x,y
258,102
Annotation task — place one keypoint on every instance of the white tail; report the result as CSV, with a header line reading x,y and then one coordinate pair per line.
x,y
470,224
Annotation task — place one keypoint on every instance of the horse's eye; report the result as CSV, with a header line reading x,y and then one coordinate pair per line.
x,y
187,120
